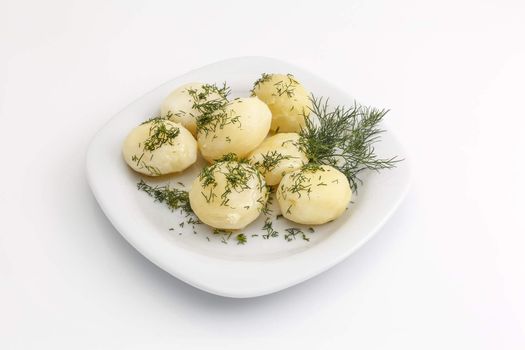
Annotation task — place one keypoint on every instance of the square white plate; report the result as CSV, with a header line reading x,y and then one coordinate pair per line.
x,y
261,266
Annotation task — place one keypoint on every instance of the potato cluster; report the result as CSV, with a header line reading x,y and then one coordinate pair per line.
x,y
253,145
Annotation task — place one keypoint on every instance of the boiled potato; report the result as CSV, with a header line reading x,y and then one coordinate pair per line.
x,y
238,128
181,104
228,195
159,147
278,155
313,195
287,98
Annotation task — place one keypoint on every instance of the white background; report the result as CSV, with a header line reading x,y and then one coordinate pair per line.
x,y
446,272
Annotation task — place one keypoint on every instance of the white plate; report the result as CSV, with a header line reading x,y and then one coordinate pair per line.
x,y
261,266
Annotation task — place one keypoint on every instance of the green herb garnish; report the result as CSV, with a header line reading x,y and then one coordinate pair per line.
x,y
344,138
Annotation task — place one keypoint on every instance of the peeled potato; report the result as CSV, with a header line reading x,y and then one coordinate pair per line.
x,y
159,147
287,98
238,128
278,155
228,195
178,106
313,195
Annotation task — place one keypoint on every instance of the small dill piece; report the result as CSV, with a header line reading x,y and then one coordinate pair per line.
x,y
270,231
344,138
193,221
230,157
241,238
263,79
151,169
278,217
172,197
266,202
293,232
180,183
171,229
311,229
157,119
224,234
160,133
286,86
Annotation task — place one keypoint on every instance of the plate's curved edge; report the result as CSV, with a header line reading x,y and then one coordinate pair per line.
x,y
224,290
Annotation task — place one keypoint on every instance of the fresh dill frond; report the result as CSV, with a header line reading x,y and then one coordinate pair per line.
x,y
344,138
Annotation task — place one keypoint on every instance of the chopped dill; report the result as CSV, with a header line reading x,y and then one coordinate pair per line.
x,y
286,86
292,232
224,234
268,227
160,133
172,197
263,79
239,176
270,160
241,238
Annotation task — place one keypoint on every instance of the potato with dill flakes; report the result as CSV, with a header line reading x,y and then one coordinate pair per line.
x,y
277,155
188,102
238,128
158,147
288,100
228,195
314,194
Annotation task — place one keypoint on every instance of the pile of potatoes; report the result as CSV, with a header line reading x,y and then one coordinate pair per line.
x,y
252,144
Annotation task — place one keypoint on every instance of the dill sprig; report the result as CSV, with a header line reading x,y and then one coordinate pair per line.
x,y
172,197
344,137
